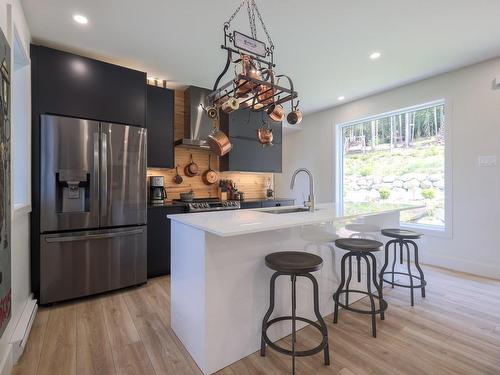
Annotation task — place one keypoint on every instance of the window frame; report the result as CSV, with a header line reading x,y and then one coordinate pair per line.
x,y
446,230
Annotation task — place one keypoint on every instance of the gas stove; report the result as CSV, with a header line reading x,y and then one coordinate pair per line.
x,y
210,204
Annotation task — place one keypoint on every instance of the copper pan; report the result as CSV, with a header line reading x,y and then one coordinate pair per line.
x,y
219,142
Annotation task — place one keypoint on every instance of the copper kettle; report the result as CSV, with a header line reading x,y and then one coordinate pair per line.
x,y
265,136
250,70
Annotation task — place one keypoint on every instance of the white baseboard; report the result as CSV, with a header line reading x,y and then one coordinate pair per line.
x,y
21,333
7,363
18,339
463,265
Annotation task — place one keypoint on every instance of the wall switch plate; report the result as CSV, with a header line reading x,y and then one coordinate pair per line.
x,y
487,160
497,81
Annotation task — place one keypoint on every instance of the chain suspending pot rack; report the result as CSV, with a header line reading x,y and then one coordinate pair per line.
x,y
256,87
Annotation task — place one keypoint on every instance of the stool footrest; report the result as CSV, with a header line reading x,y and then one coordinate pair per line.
x,y
422,284
303,353
383,303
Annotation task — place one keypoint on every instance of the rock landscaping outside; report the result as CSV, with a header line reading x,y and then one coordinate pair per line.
x,y
401,175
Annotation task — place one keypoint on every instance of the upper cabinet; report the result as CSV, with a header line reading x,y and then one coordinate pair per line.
x,y
72,85
248,155
160,125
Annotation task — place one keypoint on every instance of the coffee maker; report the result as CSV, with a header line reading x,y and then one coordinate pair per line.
x,y
157,192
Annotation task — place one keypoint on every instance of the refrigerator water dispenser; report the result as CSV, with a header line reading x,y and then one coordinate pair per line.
x,y
72,191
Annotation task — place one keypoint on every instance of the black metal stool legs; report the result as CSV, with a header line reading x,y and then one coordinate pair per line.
x,y
371,277
320,325
377,285
336,295
419,269
403,243
294,327
321,321
268,313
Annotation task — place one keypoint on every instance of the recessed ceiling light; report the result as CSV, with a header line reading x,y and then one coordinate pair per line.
x,y
80,19
341,98
375,55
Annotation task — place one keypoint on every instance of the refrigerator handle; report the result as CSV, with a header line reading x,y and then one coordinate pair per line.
x,y
104,174
95,176
89,237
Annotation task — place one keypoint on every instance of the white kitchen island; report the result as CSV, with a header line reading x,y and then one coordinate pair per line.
x,y
220,284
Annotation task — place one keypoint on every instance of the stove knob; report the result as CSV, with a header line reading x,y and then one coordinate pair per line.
x,y
194,205
206,205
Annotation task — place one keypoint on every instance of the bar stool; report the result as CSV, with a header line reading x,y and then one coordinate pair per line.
x,y
360,249
294,264
403,237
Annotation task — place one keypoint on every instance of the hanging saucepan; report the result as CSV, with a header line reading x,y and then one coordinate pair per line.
x,y
191,169
178,178
230,105
218,141
295,116
276,112
210,176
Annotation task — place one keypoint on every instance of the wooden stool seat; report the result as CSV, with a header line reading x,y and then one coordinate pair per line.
x,y
294,262
401,234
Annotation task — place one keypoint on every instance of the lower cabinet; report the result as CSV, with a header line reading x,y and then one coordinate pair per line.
x,y
159,239
267,203
245,205
278,203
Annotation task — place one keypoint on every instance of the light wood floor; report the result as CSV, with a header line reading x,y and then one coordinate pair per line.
x,y
455,330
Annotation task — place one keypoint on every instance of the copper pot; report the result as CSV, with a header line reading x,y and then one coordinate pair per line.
x,y
191,169
265,136
294,117
219,142
250,70
230,105
276,112
211,112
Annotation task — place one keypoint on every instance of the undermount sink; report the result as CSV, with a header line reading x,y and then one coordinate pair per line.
x,y
286,210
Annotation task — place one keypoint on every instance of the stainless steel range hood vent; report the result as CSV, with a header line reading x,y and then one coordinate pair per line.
x,y
197,125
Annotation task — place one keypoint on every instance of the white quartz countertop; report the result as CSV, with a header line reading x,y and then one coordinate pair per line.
x,y
238,222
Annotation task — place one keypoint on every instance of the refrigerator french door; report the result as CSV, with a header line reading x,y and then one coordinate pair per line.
x,y
93,207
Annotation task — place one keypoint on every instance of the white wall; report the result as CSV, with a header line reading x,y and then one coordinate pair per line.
x,y
473,121
12,16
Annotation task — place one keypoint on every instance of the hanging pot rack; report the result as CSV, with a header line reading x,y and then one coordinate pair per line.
x,y
236,43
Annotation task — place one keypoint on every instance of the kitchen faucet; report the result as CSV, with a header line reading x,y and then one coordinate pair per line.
x,y
310,203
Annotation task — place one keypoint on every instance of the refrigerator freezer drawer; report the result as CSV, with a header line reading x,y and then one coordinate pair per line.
x,y
79,264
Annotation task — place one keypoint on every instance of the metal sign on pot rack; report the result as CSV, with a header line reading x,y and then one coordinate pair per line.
x,y
255,87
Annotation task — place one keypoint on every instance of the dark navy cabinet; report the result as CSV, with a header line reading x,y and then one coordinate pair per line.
x,y
159,239
248,155
77,86
160,125
275,202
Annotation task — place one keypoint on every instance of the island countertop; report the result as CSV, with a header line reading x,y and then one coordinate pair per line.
x,y
238,222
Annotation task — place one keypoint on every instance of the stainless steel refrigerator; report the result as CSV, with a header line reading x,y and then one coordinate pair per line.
x,y
92,207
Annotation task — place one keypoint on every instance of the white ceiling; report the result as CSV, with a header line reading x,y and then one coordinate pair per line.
x,y
322,44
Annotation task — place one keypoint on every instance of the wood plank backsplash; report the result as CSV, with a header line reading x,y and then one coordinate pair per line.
x,y
254,185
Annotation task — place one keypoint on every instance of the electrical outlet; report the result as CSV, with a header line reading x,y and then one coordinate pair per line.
x,y
487,160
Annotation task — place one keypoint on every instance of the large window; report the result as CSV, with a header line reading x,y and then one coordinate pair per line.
x,y
395,158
